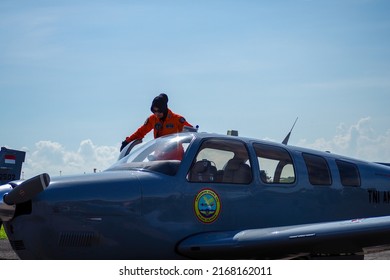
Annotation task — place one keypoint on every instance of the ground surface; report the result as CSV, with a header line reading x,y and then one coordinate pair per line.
x,y
6,253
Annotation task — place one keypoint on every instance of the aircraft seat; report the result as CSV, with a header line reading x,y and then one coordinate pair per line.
x,y
237,171
203,171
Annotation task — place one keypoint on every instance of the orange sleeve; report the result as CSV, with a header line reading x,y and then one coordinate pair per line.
x,y
142,130
181,122
187,124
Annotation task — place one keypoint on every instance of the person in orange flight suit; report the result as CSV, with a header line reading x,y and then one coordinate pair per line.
x,y
163,121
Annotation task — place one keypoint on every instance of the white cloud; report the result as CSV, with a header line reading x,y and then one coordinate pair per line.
x,y
54,159
359,140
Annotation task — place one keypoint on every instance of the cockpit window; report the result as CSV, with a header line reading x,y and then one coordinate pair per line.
x,y
276,166
163,154
221,161
163,148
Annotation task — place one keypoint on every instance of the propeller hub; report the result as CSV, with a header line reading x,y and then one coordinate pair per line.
x,y
6,211
18,192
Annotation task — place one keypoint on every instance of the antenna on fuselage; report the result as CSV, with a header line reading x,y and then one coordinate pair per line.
x,y
285,141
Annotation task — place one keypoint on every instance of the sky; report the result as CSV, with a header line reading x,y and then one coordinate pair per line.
x,y
77,77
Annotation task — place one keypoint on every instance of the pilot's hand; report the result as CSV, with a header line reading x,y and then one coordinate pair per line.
x,y
124,144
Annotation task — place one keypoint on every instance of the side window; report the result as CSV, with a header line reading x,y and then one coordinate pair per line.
x,y
349,174
276,166
318,170
221,161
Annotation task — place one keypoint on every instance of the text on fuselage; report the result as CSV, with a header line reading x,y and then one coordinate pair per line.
x,y
378,197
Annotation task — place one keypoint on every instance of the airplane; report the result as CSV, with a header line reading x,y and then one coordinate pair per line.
x,y
10,164
197,195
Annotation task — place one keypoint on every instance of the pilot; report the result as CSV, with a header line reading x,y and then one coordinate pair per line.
x,y
163,121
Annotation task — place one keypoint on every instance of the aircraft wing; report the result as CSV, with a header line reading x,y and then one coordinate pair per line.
x,y
349,236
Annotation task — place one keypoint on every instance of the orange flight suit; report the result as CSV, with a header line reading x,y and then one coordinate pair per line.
x,y
173,123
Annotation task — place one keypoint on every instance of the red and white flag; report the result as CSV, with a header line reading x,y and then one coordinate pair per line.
x,y
10,159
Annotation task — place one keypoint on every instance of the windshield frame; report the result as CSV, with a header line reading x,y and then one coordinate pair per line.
x,y
155,150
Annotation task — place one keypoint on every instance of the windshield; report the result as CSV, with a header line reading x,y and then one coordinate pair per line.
x,y
168,149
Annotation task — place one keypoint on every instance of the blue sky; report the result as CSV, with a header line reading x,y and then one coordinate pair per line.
x,y
77,77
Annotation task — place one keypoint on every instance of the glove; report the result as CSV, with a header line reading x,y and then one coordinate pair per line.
x,y
124,144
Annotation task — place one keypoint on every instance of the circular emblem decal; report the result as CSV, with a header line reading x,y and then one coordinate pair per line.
x,y
207,206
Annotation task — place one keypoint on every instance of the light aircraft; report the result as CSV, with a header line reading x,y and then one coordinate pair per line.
x,y
204,196
10,164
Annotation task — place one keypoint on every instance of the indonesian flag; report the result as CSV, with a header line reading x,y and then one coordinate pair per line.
x,y
10,159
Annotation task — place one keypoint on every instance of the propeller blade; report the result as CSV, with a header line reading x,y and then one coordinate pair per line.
x,y
27,189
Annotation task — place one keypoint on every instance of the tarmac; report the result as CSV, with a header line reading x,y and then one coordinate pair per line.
x,y
6,253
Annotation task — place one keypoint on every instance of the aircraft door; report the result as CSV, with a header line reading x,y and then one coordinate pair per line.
x,y
219,183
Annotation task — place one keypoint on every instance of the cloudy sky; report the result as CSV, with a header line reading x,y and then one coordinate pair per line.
x,y
77,77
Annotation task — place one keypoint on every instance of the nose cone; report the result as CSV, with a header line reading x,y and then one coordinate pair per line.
x,y
6,211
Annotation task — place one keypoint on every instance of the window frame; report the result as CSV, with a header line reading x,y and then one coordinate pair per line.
x,y
222,145
312,170
345,178
273,153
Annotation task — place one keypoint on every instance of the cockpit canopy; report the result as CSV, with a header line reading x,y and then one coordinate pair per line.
x,y
163,154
